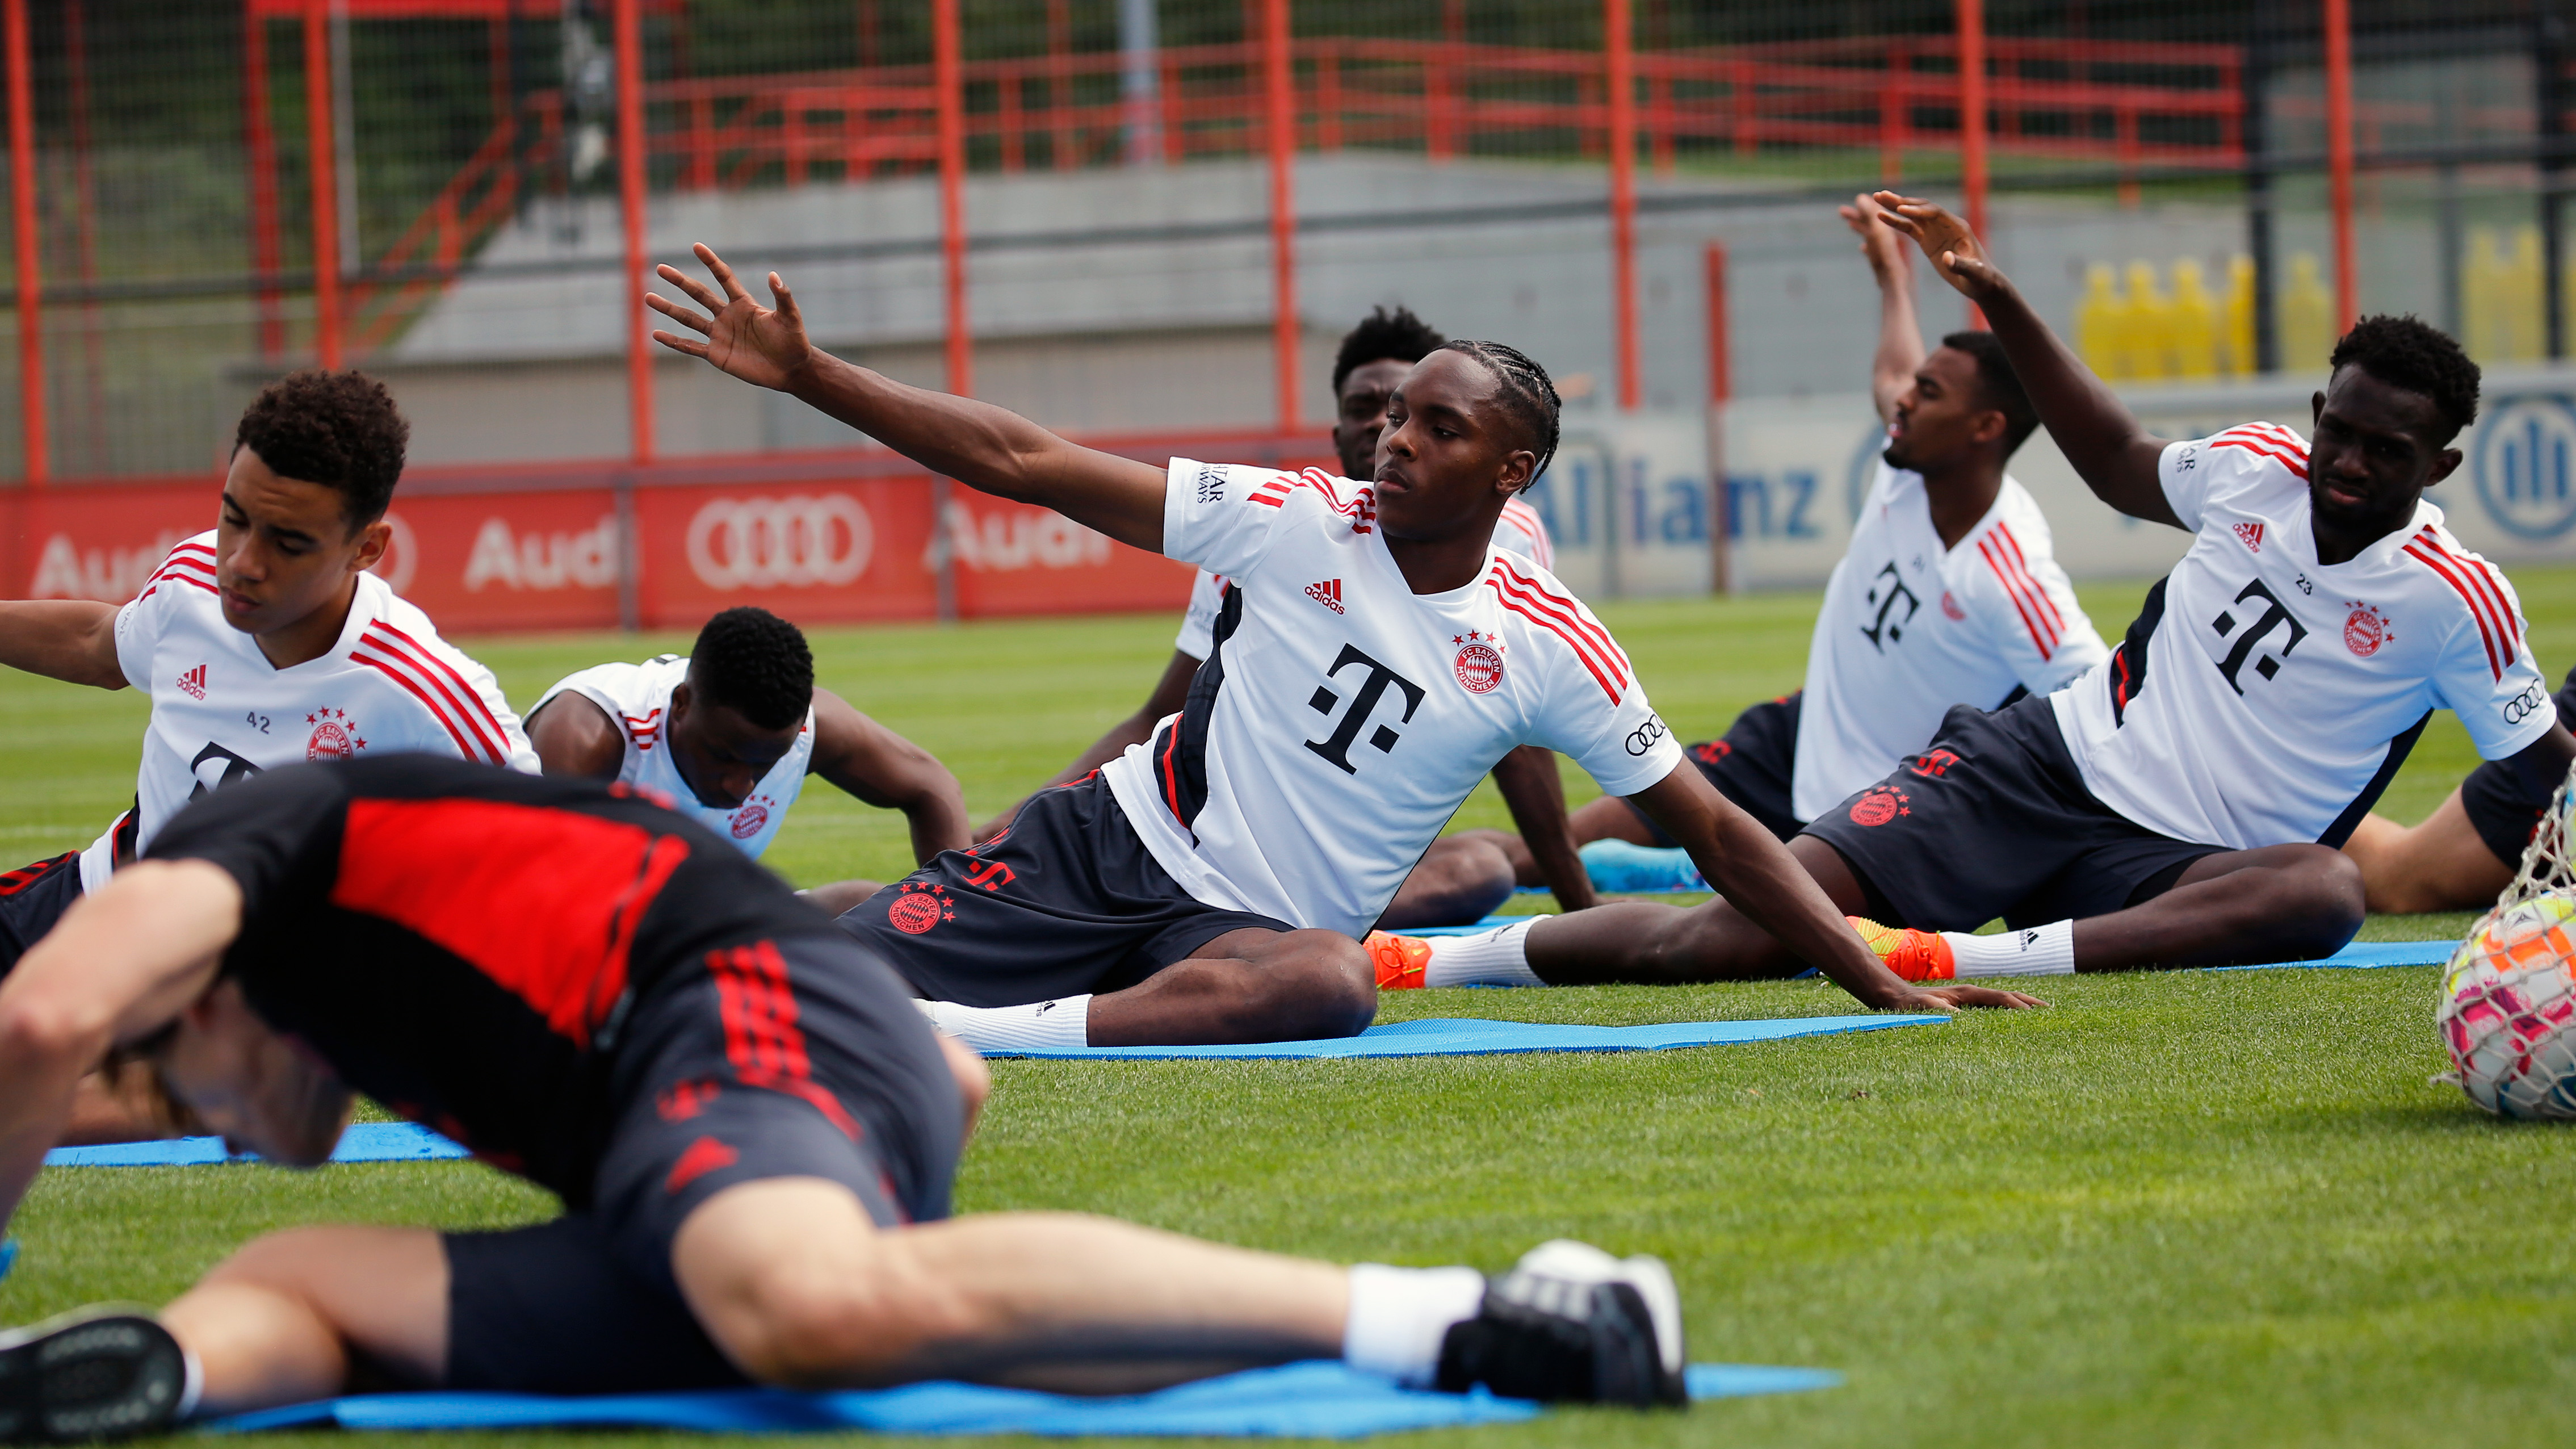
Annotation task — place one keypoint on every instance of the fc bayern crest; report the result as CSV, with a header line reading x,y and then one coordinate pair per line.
x,y
334,737
1480,661
1880,806
920,907
750,817
2365,630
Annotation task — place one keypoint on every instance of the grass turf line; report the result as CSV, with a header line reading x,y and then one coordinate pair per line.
x,y
2226,1209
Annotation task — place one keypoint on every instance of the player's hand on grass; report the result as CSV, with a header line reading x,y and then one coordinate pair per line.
x,y
1957,257
1952,998
1881,246
763,346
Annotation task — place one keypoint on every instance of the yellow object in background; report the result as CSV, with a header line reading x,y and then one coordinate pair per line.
x,y
2101,325
2151,326
2239,356
2194,328
2307,317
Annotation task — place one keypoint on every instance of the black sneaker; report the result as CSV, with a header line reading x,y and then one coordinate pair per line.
x,y
93,1373
1573,1323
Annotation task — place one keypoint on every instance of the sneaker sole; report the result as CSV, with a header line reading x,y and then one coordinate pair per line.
x,y
91,1374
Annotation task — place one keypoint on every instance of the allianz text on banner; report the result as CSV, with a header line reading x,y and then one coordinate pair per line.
x,y
1627,506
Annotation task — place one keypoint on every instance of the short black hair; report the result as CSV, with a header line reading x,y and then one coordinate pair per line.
x,y
1526,392
339,429
755,663
1999,386
2412,353
1382,336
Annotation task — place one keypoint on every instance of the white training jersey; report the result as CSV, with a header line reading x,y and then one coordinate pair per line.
x,y
1519,530
222,713
637,699
1341,718
1910,628
2263,698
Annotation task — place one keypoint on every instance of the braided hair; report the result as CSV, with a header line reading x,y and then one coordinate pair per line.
x,y
1525,392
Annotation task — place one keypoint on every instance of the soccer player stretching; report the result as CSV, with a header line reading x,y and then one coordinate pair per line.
x,y
1462,876
2181,804
1375,656
731,729
264,641
751,1128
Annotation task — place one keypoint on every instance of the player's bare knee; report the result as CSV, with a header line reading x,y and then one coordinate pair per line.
x,y
2318,899
1328,989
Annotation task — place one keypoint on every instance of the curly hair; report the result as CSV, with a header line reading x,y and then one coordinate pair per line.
x,y
1525,392
2411,353
755,663
1382,336
1999,385
340,429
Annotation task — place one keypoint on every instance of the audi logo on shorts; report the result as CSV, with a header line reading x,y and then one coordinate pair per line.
x,y
1643,737
768,543
2524,705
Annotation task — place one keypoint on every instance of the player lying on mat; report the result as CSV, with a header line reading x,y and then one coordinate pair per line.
x,y
2180,804
752,1129
2464,854
264,641
1460,877
1949,594
731,729
1211,884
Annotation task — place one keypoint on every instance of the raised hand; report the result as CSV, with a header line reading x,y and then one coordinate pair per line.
x,y
1884,249
763,346
1956,256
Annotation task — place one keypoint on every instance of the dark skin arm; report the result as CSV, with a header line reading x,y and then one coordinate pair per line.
x,y
575,737
1535,794
1169,693
2115,456
1759,877
979,445
73,640
872,763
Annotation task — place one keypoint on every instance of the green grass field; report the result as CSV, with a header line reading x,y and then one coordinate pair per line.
x,y
2175,1208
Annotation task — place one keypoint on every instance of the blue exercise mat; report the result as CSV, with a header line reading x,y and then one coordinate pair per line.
x,y
2360,955
1462,1037
1303,1400
8,1255
363,1142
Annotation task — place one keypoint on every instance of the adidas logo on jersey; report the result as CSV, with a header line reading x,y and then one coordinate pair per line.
x,y
1328,593
2252,536
193,683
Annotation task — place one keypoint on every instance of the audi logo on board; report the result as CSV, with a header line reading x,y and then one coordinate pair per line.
x,y
768,543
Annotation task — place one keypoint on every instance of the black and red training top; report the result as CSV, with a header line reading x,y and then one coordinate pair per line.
x,y
461,943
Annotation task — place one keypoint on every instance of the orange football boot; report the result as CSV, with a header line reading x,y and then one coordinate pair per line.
x,y
1400,960
1912,954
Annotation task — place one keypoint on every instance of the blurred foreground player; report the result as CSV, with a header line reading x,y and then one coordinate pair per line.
x,y
752,1129
1460,877
262,642
2182,803
730,730
1949,594
1211,884
2465,853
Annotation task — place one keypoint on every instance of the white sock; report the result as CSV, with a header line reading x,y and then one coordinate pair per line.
x,y
1063,1022
192,1386
2035,951
1400,1315
1499,957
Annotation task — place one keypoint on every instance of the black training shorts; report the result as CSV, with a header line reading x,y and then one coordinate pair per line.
x,y
32,898
1994,820
803,1057
2500,804
1751,766
1066,901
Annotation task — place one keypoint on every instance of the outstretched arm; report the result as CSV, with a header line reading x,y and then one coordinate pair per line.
x,y
2116,457
73,640
1900,334
1759,877
876,765
1170,692
1535,794
982,446
123,963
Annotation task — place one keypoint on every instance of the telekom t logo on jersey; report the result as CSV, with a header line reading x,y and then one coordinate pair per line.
x,y
2275,613
1337,746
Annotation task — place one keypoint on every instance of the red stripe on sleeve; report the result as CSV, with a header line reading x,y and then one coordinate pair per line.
x,y
466,746
2481,577
2486,634
447,685
1987,550
1564,607
2039,595
478,713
